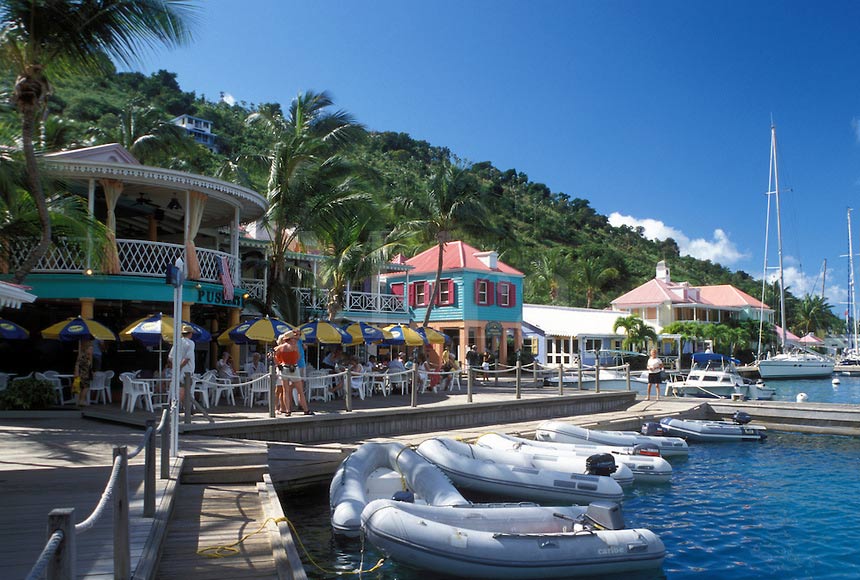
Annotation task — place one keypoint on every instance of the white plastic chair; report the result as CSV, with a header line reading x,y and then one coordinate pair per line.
x,y
259,388
51,377
399,380
358,384
379,381
202,385
133,390
100,387
223,386
318,387
454,381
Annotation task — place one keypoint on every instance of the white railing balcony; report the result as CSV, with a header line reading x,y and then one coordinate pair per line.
x,y
317,299
136,258
255,287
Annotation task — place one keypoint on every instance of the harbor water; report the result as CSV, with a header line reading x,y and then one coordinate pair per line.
x,y
783,509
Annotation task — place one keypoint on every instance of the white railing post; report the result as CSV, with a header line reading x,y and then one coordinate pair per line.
x,y
149,471
347,390
470,381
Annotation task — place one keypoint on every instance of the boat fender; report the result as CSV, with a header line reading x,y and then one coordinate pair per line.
x,y
647,449
741,417
606,515
653,429
600,464
405,496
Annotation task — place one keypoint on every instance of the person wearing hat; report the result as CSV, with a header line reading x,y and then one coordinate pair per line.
x,y
185,355
473,358
288,358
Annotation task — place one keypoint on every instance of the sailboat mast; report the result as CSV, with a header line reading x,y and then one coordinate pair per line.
x,y
852,306
775,190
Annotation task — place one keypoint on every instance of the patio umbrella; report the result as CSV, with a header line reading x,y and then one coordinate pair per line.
x,y
403,334
363,332
260,329
11,331
324,332
78,328
432,336
154,329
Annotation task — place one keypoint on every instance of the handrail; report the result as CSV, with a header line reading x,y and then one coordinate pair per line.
x,y
62,531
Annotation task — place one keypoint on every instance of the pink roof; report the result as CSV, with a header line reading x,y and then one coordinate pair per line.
x,y
654,292
457,256
788,335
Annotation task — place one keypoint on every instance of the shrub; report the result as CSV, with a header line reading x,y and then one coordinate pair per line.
x,y
27,394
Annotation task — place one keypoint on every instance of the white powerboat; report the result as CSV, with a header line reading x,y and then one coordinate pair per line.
x,y
643,461
795,364
516,542
700,431
715,375
559,432
380,470
474,468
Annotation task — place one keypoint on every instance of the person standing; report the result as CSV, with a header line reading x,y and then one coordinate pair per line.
x,y
185,355
84,370
655,368
288,357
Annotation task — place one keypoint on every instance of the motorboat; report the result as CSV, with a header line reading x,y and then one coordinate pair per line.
x,y
381,470
559,432
644,461
702,431
716,376
502,541
795,364
481,470
610,379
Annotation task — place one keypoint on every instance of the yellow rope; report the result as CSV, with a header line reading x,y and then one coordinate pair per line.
x,y
225,550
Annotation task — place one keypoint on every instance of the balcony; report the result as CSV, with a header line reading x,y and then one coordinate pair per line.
x,y
380,307
136,258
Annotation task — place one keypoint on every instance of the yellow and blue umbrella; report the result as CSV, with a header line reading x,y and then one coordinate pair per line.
x,y
260,329
78,328
324,332
402,334
363,332
154,329
11,331
432,336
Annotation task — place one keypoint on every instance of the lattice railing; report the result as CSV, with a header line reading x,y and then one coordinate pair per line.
x,y
64,256
144,258
255,287
317,299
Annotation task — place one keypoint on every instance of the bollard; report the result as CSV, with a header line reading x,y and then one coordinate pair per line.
x,y
560,378
121,547
165,448
627,368
414,400
519,380
63,566
347,390
149,471
579,376
534,372
188,396
597,375
273,381
470,381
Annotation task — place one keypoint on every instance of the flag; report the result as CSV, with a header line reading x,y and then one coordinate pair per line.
x,y
226,280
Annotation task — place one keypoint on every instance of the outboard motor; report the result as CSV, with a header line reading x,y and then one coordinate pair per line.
x,y
647,449
741,417
605,515
405,496
653,429
600,464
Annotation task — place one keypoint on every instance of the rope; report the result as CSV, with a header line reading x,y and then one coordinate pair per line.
x,y
38,570
226,550
146,436
106,495
399,471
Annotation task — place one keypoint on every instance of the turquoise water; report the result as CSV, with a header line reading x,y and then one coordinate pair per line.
x,y
818,390
785,509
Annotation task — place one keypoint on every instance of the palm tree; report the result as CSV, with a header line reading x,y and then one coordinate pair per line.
x,y
592,276
147,134
43,36
812,315
547,273
310,184
451,201
637,330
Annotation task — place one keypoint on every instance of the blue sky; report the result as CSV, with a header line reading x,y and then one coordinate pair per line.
x,y
657,112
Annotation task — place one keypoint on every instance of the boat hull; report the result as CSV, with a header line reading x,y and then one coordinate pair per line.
x,y
794,369
712,431
521,542
567,433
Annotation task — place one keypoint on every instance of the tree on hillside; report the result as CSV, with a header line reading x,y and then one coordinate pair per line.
x,y
310,184
450,202
592,277
813,314
43,36
547,276
637,331
147,134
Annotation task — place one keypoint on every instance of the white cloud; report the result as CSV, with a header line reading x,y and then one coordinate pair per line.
x,y
720,249
228,98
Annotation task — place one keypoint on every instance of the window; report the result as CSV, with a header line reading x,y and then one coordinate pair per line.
x,y
446,295
506,294
484,292
558,351
421,295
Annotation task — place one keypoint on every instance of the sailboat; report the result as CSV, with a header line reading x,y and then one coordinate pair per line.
x,y
850,362
789,363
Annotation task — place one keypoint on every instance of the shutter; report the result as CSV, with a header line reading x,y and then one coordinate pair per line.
x,y
451,289
428,293
512,296
397,289
491,293
412,294
477,291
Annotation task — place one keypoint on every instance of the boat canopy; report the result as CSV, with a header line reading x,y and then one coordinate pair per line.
x,y
705,358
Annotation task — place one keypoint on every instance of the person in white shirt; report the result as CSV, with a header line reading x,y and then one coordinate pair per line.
x,y
655,368
256,366
185,356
